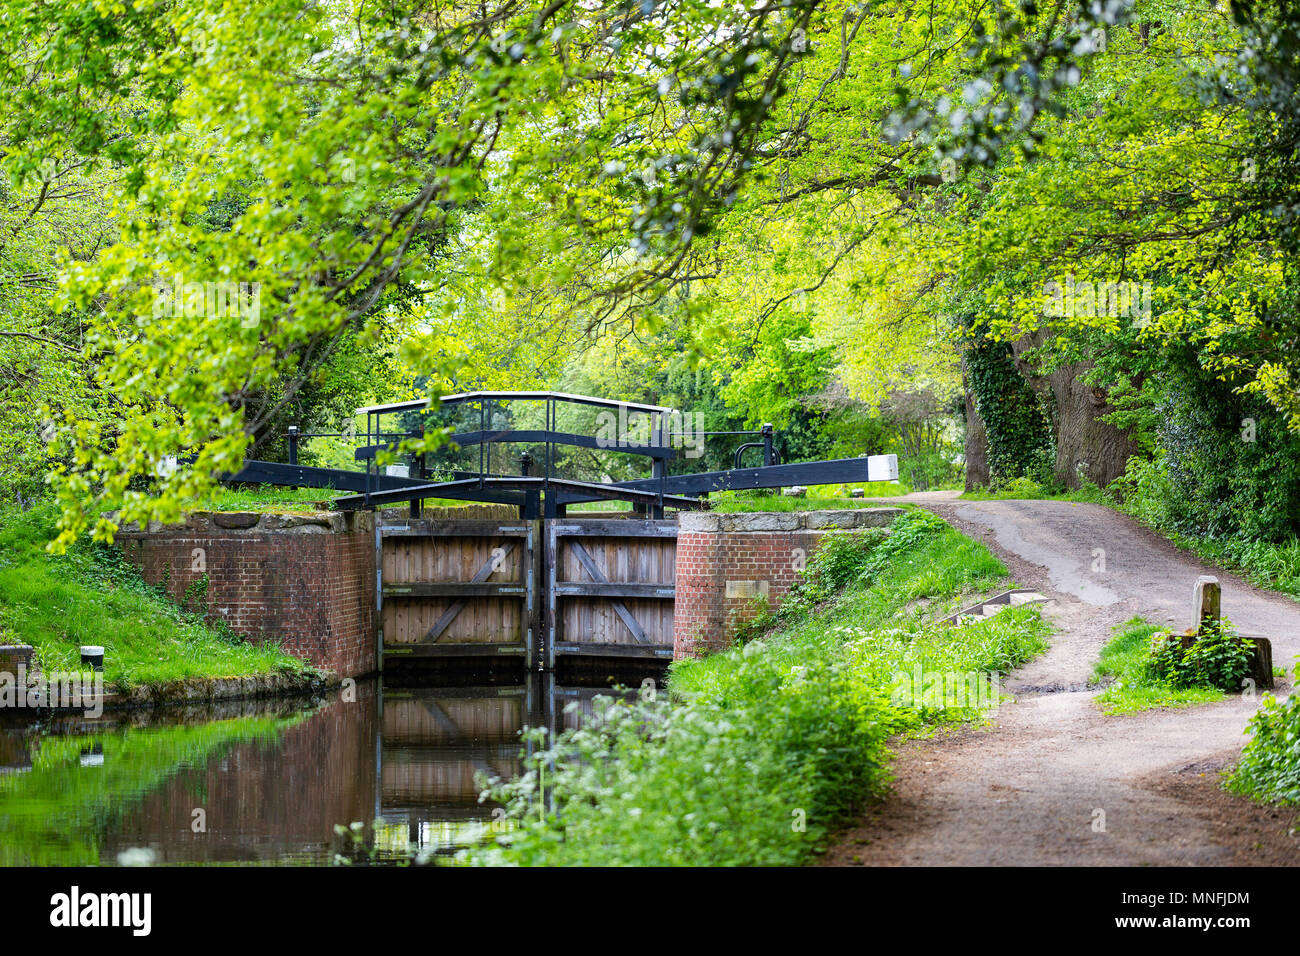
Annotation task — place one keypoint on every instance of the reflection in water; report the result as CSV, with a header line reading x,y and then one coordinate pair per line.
x,y
267,782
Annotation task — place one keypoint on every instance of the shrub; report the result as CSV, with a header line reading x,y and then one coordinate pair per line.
x,y
1270,763
843,558
755,777
1218,657
839,559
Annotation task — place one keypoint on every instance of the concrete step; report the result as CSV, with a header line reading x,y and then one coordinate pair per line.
x,y
998,602
1027,597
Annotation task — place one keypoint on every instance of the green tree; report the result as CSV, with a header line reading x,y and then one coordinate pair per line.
x,y
357,135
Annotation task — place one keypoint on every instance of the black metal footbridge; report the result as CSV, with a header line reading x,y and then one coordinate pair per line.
x,y
654,432
536,590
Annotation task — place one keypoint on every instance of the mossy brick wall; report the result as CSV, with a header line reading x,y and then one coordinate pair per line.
x,y
726,562
305,580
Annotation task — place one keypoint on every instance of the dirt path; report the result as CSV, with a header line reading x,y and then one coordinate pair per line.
x,y
1029,789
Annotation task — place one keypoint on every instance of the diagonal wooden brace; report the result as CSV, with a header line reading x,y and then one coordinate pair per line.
x,y
452,730
481,575
620,608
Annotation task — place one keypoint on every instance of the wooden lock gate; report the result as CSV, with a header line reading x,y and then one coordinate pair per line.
x,y
535,591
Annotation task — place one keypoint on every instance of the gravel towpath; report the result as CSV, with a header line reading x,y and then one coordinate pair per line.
x,y
1032,787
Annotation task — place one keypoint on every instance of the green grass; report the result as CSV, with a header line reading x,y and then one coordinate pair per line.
x,y
827,498
1025,489
92,595
885,627
757,754
264,498
1123,661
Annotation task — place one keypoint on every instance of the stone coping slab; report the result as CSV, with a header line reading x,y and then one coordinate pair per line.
x,y
846,519
256,522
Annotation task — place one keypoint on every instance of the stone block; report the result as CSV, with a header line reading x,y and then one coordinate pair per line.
x,y
198,521
819,520
760,521
236,520
872,517
698,521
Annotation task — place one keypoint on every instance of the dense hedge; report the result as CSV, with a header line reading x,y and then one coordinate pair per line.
x,y
1232,465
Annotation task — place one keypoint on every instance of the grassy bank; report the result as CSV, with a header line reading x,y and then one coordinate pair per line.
x,y
756,755
820,498
92,595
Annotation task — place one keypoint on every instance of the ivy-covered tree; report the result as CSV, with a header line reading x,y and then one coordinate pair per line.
x,y
1014,419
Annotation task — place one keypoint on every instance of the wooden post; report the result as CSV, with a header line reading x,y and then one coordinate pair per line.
x,y
532,607
551,629
379,591
417,471
1207,605
658,468
1206,601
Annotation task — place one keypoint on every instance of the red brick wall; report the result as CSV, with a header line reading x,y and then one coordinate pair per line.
x,y
312,590
724,560
705,619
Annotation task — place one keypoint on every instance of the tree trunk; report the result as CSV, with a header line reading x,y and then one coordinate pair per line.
x,y
977,443
1086,447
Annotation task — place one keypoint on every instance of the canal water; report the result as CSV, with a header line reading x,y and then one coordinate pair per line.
x,y
268,782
